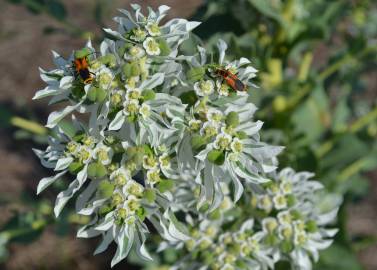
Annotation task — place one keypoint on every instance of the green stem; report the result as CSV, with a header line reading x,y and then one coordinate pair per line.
x,y
28,125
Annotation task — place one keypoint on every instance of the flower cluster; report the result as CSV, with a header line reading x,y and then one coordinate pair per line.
x,y
284,220
171,136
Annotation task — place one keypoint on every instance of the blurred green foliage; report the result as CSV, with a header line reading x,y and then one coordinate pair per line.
x,y
316,60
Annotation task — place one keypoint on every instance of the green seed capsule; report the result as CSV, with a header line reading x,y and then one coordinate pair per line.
x,y
92,170
189,98
92,93
75,167
165,185
101,94
101,170
148,94
216,156
149,195
197,142
127,70
105,189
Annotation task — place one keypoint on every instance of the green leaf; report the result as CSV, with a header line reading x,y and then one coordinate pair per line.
x,y
338,257
232,119
314,111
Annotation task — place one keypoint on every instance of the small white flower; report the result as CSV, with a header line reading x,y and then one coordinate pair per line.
x,y
138,34
286,187
285,231
85,154
103,153
153,29
264,203
151,46
226,204
269,224
284,217
233,157
134,188
164,161
280,201
153,176
131,107
145,111
300,238
72,148
116,98
132,81
135,52
194,125
120,176
208,129
105,77
236,145
204,88
149,162
222,141
89,141
133,93
214,115
132,203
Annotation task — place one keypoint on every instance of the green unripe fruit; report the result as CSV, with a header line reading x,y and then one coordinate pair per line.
x,y
141,213
216,156
101,94
165,185
135,69
189,98
75,167
311,226
92,93
148,94
101,170
198,142
92,170
127,70
105,189
232,119
97,170
286,246
149,195
108,60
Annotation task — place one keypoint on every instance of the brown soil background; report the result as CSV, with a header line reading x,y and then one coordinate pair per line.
x,y
23,48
